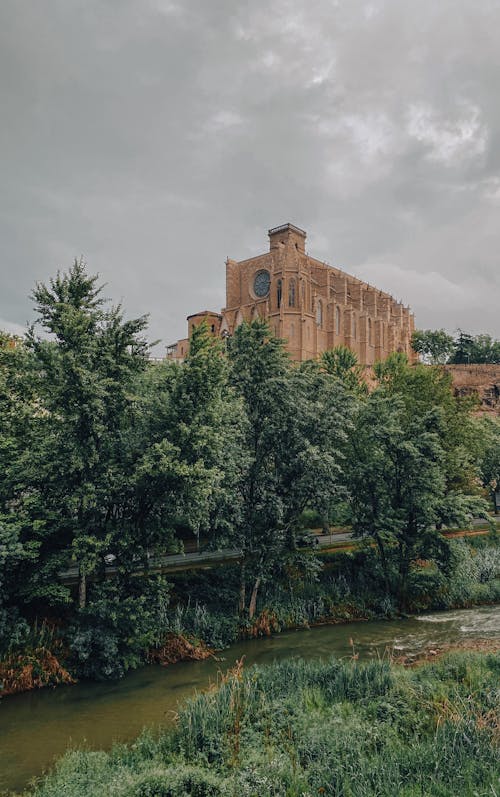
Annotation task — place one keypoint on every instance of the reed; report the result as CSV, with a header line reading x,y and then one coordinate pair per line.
x,y
300,728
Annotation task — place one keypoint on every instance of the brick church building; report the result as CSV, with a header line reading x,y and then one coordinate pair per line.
x,y
312,305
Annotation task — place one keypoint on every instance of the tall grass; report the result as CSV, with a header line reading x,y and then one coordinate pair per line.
x,y
303,728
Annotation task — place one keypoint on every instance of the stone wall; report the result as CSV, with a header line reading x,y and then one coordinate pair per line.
x,y
481,380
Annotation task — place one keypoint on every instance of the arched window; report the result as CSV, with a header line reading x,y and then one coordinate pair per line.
x,y
279,291
319,313
292,331
291,293
337,320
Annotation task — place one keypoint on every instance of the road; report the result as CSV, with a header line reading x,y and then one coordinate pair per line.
x,y
174,563
195,560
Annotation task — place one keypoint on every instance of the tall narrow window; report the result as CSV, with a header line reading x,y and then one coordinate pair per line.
x,y
279,291
337,320
354,327
370,331
319,313
291,293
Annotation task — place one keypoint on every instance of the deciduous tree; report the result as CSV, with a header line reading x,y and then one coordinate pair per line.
x,y
435,345
295,425
409,471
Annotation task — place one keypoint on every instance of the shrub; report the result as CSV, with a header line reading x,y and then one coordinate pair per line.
x,y
487,561
216,629
111,635
179,782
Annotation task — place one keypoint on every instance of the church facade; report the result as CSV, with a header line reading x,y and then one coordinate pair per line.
x,y
312,305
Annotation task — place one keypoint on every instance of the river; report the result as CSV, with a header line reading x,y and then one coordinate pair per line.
x,y
37,727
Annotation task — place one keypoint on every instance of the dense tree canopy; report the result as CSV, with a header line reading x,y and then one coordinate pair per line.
x,y
437,347
411,468
108,456
294,435
480,349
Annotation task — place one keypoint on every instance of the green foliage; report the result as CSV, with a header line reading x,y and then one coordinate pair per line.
x,y
309,727
103,453
473,576
218,628
410,470
342,363
59,486
489,456
295,429
113,632
174,782
435,345
481,349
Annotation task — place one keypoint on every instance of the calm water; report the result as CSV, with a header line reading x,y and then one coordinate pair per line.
x,y
37,727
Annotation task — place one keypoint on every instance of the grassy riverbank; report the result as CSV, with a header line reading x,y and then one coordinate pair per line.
x,y
345,587
199,613
303,728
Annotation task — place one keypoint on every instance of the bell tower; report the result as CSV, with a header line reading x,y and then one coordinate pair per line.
x,y
287,235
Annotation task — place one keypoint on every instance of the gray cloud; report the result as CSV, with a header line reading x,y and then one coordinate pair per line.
x,y
156,137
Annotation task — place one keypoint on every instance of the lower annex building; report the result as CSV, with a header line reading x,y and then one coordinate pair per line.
x,y
310,304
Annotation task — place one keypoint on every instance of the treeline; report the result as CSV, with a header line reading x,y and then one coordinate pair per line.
x,y
105,454
439,348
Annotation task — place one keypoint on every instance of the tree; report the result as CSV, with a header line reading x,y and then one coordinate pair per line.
x,y
342,363
480,349
421,388
489,459
408,470
83,370
435,345
186,449
18,420
294,430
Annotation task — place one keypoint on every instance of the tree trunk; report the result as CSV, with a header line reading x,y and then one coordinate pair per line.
x,y
404,571
243,598
253,598
385,568
82,588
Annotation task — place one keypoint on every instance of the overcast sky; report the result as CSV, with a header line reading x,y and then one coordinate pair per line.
x,y
156,137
